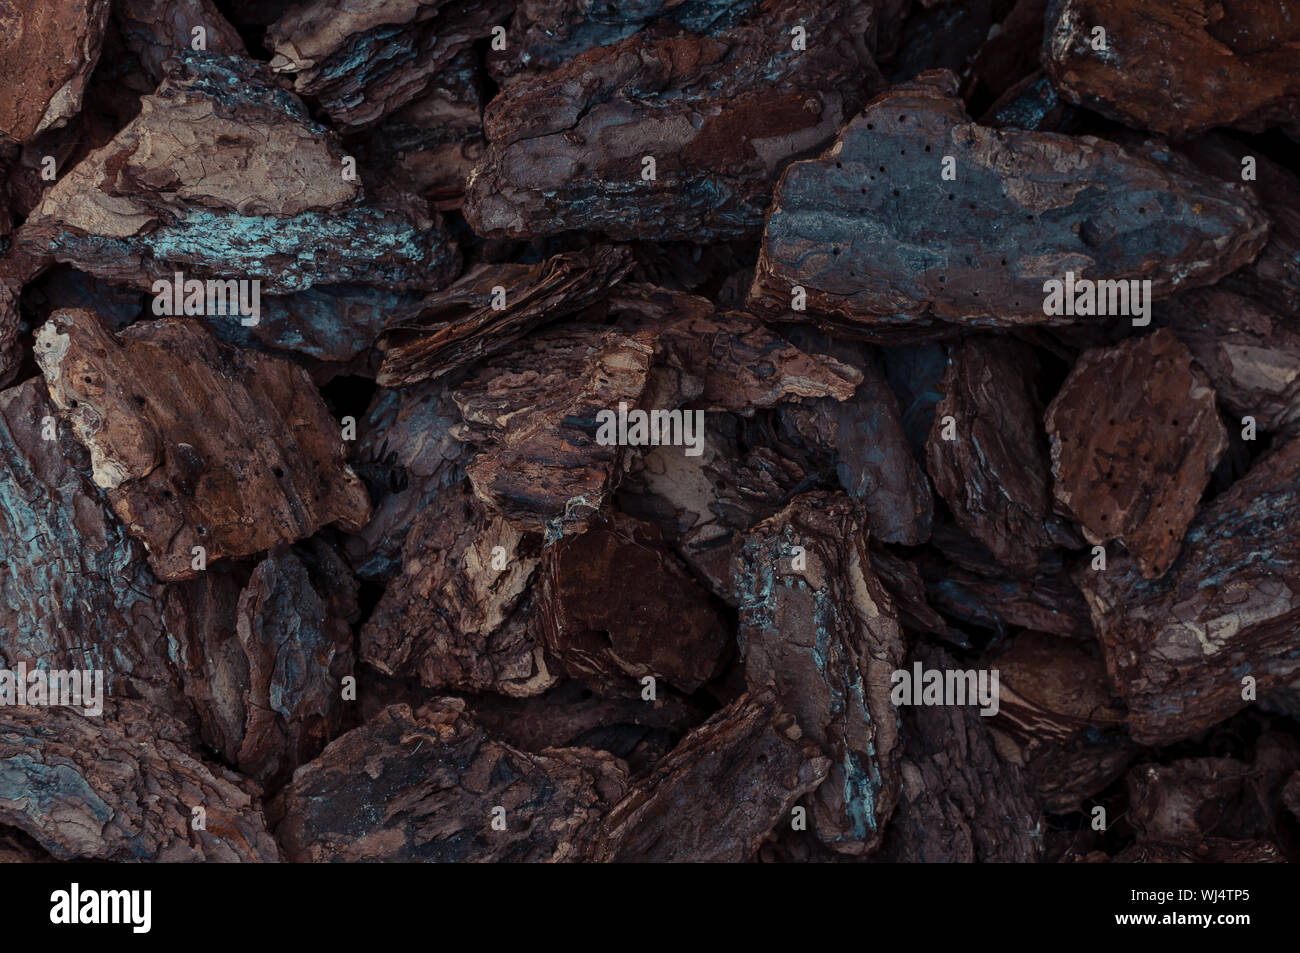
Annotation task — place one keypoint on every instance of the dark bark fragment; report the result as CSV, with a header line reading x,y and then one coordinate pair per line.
x,y
122,788
1180,646
196,443
993,473
818,629
453,618
1177,68
532,415
363,61
1212,850
1048,602
463,324
879,240
1250,353
422,787
1135,436
47,53
407,456
155,31
1060,718
196,184
720,113
660,623
718,794
959,801
75,590
863,437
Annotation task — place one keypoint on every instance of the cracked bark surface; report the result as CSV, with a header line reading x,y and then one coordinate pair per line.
x,y
195,443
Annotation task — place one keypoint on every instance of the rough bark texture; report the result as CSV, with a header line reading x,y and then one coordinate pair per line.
x,y
818,629
1138,478
987,454
661,623
422,787
195,443
721,790
155,31
878,239
460,614
123,788
1234,66
565,149
1180,646
196,184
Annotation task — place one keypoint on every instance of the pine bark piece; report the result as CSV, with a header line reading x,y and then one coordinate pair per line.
x,y
195,443
121,788
270,697
1179,647
994,475
959,801
662,624
155,31
824,638
461,325
718,794
532,414
721,114
1235,64
408,457
864,438
1061,718
900,249
47,53
1250,353
196,184
1048,602
362,61
452,618
546,34
10,322
421,787
1212,850
1135,435
76,592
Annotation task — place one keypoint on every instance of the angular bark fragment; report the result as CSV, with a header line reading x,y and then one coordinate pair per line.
x,y
361,61
10,322
718,794
907,591
75,590
532,414
993,473
1212,850
546,34
121,788
864,437
1178,68
407,456
720,113
196,443
878,240
1250,353
703,505
423,786
155,31
1180,646
267,681
466,323
1135,435
1048,602
959,801
460,614
47,53
196,184
661,623
818,629
1061,720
